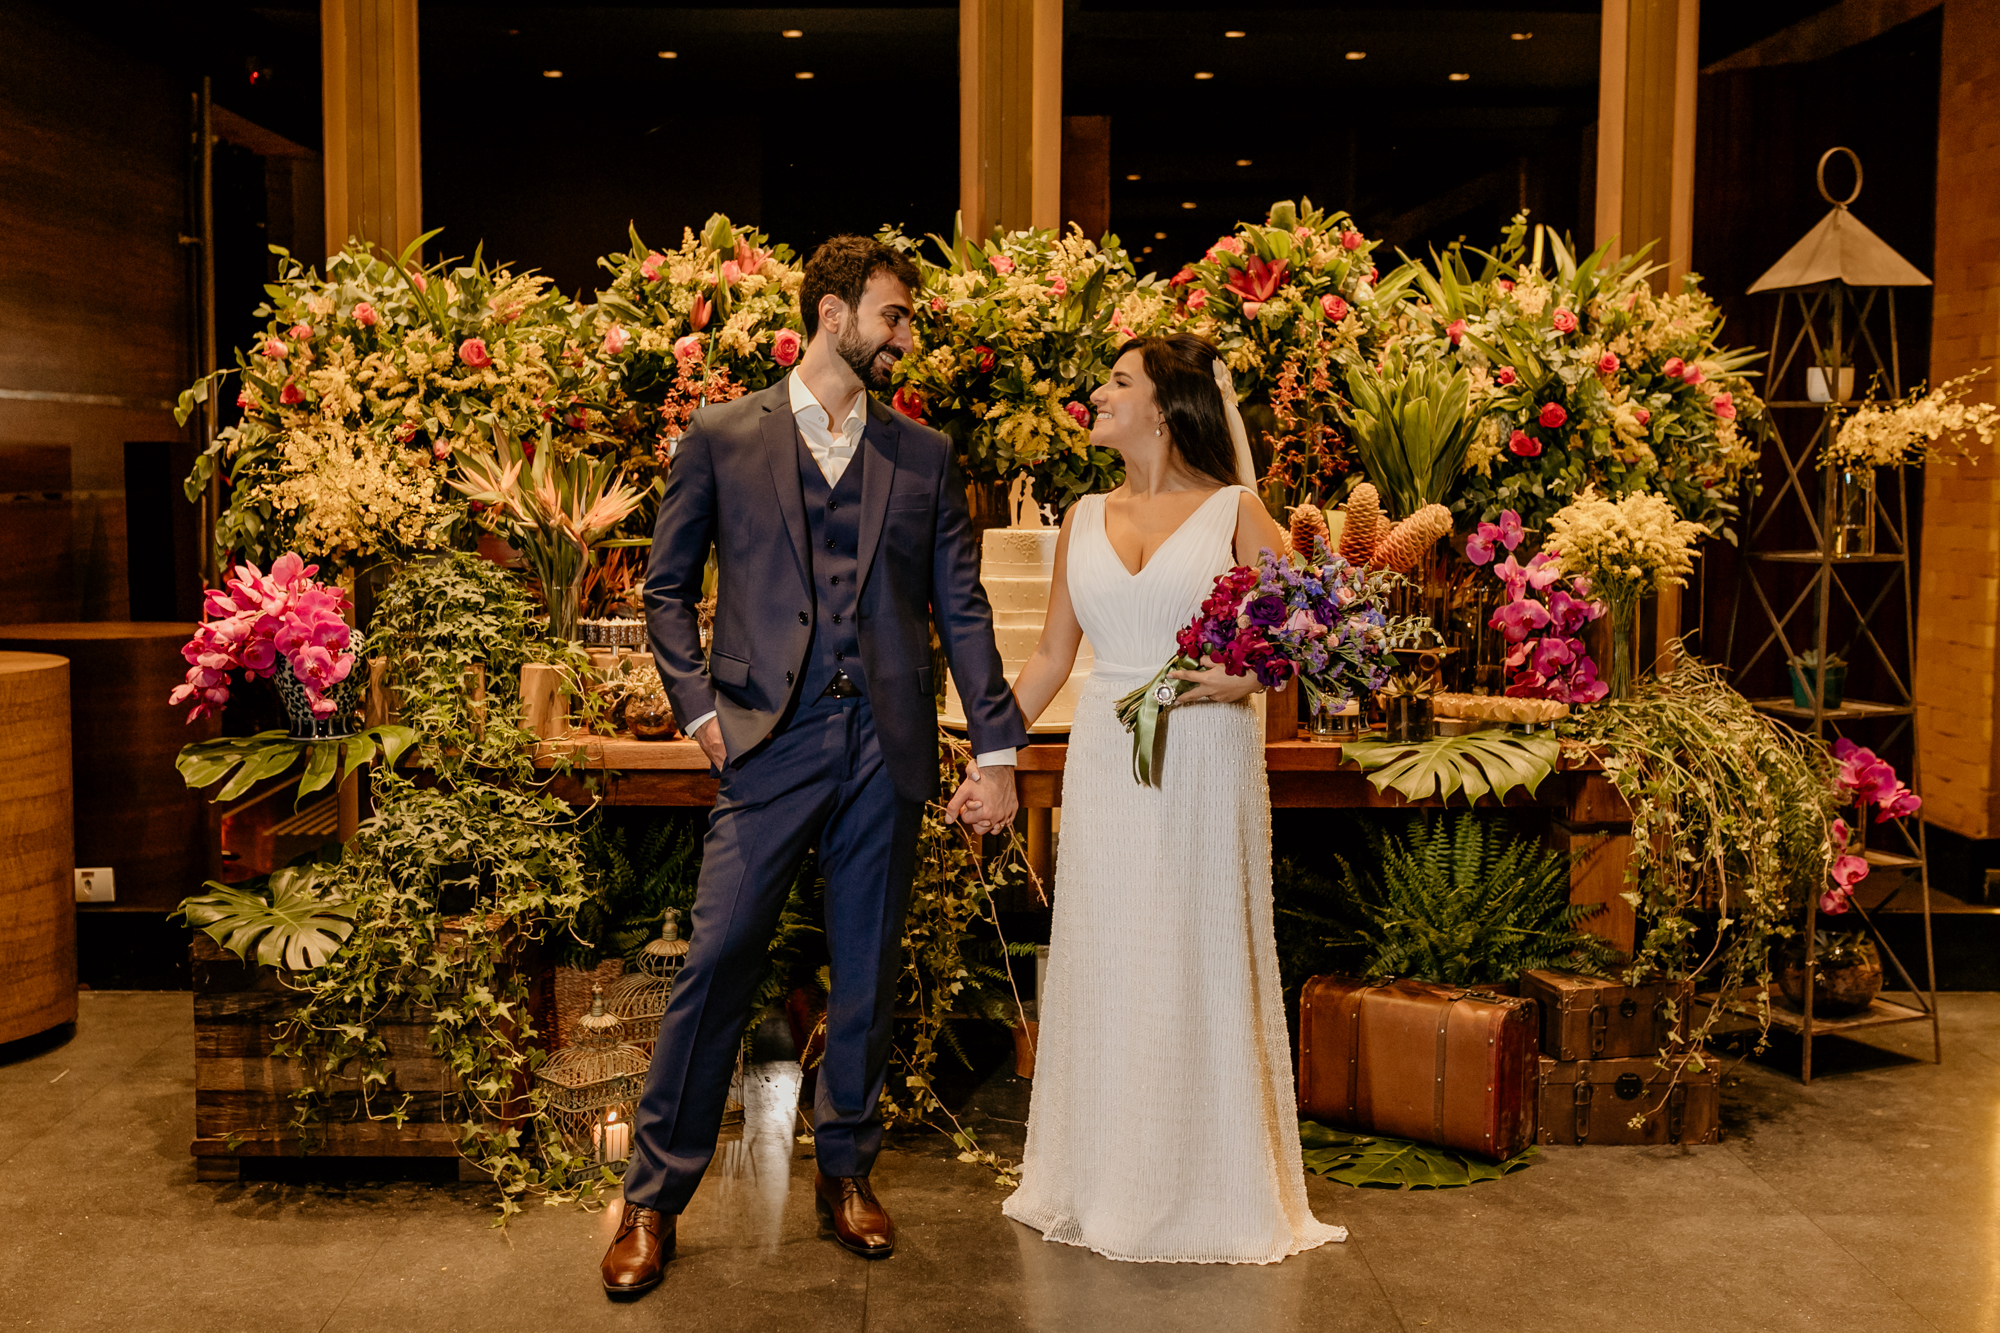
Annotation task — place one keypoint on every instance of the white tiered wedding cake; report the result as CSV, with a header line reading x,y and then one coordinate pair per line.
x,y
1016,567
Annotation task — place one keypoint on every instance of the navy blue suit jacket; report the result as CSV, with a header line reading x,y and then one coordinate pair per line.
x,y
734,487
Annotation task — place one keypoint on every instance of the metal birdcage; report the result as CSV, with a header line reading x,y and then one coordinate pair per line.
x,y
638,999
593,1089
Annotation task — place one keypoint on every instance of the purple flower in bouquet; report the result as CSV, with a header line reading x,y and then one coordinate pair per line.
x,y
1546,659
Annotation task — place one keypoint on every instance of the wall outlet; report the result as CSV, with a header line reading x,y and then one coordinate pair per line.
x,y
95,884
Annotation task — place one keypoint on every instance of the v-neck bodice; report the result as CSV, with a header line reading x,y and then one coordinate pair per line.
x,y
1131,618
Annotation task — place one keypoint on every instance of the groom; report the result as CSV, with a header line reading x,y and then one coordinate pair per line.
x,y
840,532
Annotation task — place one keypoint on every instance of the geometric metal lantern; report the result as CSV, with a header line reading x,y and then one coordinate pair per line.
x,y
638,999
593,1088
663,957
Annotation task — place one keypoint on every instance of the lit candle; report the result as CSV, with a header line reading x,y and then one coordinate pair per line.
x,y
613,1138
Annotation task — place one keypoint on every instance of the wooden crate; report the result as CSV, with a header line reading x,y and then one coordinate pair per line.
x,y
243,1091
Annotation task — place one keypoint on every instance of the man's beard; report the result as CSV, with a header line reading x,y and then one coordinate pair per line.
x,y
860,358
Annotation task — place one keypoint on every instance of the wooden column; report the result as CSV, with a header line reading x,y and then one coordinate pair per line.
x,y
1645,130
368,98
1958,602
37,854
1086,174
1009,114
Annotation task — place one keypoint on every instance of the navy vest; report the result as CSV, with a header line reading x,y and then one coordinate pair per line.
x,y
833,518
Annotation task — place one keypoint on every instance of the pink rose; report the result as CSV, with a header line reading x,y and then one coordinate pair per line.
x,y
1350,240
1564,320
1641,415
299,332
291,395
1504,284
1059,285
937,305
1078,413
440,448
1335,308
1506,377
275,349
649,267
1302,233
1182,278
1232,244
732,273
1691,375
417,281
1455,330
1553,415
1524,444
1197,298
688,347
1672,370
364,314
615,340
473,352
1607,364
406,432
1002,265
1725,406
785,346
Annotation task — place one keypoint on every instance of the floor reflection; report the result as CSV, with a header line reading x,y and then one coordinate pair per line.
x,y
747,1182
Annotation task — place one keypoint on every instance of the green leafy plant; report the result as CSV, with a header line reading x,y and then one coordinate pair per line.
x,y
251,759
1730,829
637,867
1479,763
288,924
1455,899
1412,425
1376,1161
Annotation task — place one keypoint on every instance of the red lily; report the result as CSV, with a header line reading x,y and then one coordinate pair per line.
x,y
698,313
1256,282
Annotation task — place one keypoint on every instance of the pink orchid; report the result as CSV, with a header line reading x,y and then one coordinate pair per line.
x,y
1840,832
1898,803
1518,617
1512,577
1835,901
1544,570
1510,531
1479,546
1849,870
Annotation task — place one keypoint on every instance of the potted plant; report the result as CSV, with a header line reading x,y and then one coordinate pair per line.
x,y
283,626
1809,678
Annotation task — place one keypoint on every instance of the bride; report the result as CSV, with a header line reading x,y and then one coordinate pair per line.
x,y
1162,1126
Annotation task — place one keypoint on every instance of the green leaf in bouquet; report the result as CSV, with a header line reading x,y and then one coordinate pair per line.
x,y
1377,1161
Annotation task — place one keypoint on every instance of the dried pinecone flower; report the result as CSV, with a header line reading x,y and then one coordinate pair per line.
x,y
1308,528
1365,525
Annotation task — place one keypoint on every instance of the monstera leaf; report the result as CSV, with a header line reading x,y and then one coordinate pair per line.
x,y
1380,1162
1479,763
251,759
293,928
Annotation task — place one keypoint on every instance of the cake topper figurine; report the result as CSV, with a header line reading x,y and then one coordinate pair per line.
x,y
1023,510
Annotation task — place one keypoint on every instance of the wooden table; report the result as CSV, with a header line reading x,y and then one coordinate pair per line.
x,y
1586,815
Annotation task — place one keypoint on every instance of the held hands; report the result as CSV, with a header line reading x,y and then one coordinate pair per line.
x,y
1213,683
985,802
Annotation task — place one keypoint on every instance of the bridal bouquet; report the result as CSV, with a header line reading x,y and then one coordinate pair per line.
x,y
1321,623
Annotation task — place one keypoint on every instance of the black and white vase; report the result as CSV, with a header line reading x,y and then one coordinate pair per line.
x,y
346,697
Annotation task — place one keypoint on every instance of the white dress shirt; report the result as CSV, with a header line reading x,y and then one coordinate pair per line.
x,y
833,453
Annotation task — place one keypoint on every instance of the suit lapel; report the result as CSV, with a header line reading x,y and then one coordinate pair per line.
x,y
781,451
879,439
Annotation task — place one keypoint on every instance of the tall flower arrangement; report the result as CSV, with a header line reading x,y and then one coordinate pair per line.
x,y
1623,549
1908,430
1582,376
1012,336
710,321
364,383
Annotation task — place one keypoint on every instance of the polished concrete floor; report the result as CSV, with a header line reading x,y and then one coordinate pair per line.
x,y
1869,1200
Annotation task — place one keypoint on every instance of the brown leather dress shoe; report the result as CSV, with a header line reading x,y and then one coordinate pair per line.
x,y
859,1222
637,1259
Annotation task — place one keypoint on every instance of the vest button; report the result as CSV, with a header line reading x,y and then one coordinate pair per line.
x,y
835,580
840,657
804,619
788,678
833,504
829,543
836,619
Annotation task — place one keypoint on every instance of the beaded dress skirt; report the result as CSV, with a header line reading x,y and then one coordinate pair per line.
x,y
1163,1124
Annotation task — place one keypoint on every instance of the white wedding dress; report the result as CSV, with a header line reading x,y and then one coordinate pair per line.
x,y
1163,1126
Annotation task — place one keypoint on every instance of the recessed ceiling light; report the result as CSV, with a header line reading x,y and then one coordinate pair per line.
x,y
1159,236
1233,32
1204,75
552,74
792,32
1145,249
670,55
1188,204
1132,176
1520,36
1242,161
1458,78
803,74
1357,55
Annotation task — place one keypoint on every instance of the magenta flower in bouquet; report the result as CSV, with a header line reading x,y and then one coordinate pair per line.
x,y
1545,658
1321,624
1865,778
256,621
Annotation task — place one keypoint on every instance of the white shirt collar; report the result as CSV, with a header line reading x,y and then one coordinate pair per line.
x,y
808,411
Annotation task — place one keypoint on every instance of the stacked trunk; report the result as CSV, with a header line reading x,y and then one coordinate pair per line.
x,y
1602,1080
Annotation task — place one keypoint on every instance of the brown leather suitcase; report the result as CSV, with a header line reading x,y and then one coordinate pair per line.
x,y
1593,1101
1590,1018
1418,1061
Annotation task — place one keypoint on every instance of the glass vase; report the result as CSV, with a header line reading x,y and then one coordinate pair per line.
x,y
1851,510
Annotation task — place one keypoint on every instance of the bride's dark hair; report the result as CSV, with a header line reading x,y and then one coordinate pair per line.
x,y
1182,369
